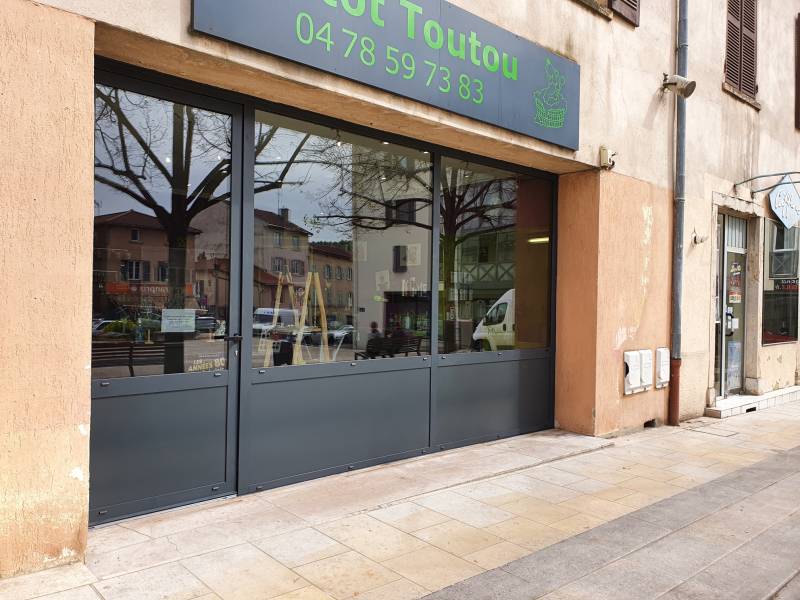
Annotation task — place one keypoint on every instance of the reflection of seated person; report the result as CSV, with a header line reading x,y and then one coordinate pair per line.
x,y
374,340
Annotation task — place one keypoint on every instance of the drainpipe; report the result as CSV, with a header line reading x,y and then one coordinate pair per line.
x,y
673,414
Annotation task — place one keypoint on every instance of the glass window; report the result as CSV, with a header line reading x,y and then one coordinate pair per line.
x,y
779,319
351,201
162,179
494,288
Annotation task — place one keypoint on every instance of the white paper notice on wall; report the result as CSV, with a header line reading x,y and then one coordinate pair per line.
x,y
177,320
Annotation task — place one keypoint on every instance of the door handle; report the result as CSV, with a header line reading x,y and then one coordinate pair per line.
x,y
728,324
230,338
234,339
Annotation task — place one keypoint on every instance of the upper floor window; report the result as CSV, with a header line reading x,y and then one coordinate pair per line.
x,y
278,264
277,239
741,55
339,273
328,272
136,235
296,242
628,9
298,267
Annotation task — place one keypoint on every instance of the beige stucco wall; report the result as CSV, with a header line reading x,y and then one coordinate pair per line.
x,y
46,112
730,141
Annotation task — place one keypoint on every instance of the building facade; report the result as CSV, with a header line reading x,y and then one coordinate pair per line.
x,y
432,265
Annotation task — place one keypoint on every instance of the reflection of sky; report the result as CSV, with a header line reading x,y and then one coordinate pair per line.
x,y
320,175
153,120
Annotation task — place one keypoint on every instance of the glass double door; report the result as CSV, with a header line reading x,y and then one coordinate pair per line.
x,y
731,302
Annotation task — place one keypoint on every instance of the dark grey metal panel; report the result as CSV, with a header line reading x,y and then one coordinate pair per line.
x,y
152,445
481,401
307,426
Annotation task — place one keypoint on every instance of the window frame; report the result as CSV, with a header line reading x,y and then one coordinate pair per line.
x,y
770,249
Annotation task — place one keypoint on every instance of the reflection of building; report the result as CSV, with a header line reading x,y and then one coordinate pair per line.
x,y
391,246
131,265
334,263
280,247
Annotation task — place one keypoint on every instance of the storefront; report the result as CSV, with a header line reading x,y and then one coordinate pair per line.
x,y
315,238
278,295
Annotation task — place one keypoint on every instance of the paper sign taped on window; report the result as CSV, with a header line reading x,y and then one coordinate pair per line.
x,y
177,320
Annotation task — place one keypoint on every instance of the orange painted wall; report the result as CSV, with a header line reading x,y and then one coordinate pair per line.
x,y
613,295
46,199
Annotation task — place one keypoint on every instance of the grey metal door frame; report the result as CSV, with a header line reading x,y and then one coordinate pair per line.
x,y
241,378
106,431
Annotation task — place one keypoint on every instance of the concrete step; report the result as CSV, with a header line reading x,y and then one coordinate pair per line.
x,y
737,405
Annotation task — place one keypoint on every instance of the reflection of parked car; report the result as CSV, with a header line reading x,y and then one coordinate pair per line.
x,y
99,326
264,318
205,324
497,329
344,334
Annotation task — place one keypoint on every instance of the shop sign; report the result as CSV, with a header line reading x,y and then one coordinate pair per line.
x,y
785,202
786,285
426,50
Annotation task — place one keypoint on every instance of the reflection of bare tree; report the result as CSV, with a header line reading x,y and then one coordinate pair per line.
x,y
148,150
469,209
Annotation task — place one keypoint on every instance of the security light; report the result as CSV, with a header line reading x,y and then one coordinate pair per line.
x,y
680,85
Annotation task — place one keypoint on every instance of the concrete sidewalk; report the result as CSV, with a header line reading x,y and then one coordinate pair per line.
x,y
664,511
737,537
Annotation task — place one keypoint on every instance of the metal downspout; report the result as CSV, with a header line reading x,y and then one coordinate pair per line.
x,y
673,415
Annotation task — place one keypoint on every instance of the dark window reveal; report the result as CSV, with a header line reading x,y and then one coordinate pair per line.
x,y
628,9
741,56
779,318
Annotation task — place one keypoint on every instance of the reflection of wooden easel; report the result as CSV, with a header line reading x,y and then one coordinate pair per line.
x,y
266,343
324,354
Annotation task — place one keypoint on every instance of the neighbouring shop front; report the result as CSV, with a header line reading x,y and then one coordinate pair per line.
x,y
279,296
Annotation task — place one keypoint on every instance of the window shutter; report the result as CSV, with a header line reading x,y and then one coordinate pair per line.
x,y
733,44
749,47
628,9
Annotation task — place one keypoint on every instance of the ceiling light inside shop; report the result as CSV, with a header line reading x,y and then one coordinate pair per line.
x,y
539,240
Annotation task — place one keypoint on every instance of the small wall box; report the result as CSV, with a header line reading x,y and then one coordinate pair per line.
x,y
646,368
662,368
633,372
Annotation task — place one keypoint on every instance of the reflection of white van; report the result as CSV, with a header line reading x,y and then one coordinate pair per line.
x,y
263,319
496,329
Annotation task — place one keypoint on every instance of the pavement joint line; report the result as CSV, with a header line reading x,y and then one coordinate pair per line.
x,y
451,486
777,453
713,562
776,593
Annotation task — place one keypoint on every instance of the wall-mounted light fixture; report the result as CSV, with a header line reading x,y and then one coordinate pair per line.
x,y
680,85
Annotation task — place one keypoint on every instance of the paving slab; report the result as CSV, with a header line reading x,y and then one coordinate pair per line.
x,y
734,538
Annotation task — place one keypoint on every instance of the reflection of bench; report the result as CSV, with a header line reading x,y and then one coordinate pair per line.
x,y
126,354
389,347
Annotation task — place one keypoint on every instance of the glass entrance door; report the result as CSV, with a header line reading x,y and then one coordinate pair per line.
x,y
731,301
166,298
